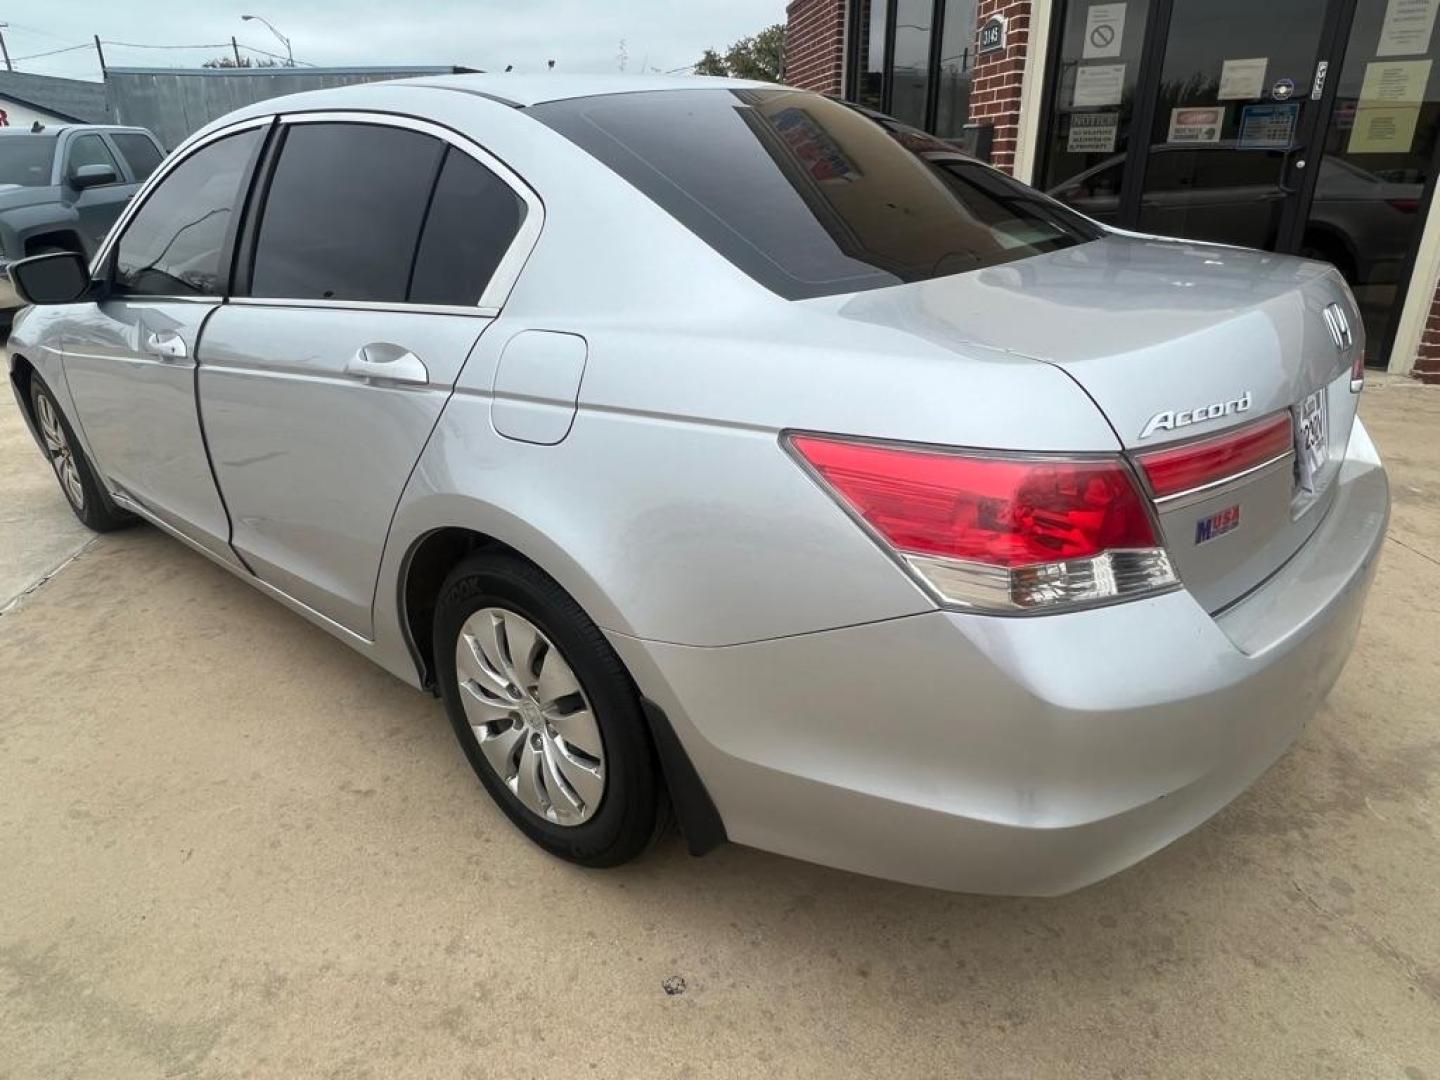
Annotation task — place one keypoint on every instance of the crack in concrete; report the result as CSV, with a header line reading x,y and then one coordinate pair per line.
x,y
1428,982
13,602
1412,550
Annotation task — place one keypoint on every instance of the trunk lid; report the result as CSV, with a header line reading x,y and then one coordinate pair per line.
x,y
1154,330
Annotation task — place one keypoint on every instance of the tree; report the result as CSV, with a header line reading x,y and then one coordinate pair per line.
x,y
760,57
244,62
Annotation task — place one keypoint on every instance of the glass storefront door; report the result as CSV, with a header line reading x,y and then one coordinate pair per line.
x,y
1305,126
1228,139
1378,142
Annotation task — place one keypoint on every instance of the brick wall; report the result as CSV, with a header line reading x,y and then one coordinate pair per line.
x,y
1427,357
998,75
815,44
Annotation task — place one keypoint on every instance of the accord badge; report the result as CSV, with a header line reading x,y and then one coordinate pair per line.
x,y
1171,419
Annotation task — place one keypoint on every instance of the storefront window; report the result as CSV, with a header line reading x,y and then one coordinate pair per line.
x,y
910,91
1379,152
1299,126
957,67
869,59
1094,99
899,67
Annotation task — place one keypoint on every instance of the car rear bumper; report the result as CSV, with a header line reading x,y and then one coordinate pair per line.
x,y
1020,755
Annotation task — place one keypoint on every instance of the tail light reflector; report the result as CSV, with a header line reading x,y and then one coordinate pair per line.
x,y
999,532
1175,470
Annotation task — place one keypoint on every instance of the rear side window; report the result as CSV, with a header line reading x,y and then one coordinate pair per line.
x,y
26,160
89,150
474,216
174,243
142,154
807,195
343,212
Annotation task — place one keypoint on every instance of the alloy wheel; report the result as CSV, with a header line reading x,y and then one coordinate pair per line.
x,y
534,724
61,454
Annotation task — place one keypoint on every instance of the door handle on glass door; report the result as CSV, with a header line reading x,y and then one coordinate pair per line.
x,y
390,363
167,344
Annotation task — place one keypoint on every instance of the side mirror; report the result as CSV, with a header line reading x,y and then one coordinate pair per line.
x,y
59,278
87,176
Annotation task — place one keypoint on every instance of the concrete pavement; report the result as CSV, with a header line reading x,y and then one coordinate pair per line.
x,y
229,847
38,533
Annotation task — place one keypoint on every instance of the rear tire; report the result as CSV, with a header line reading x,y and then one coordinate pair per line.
x,y
547,716
78,483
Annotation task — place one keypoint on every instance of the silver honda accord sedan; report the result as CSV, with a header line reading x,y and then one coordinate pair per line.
x,y
711,448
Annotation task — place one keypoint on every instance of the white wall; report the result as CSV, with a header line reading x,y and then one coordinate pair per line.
x,y
17,115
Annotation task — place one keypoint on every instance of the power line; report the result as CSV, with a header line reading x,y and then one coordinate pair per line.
x,y
138,45
34,30
133,45
52,52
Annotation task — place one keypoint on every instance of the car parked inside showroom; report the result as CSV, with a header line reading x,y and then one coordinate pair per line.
x,y
708,449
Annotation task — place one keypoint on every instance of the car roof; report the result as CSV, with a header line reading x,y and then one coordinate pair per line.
x,y
51,130
525,90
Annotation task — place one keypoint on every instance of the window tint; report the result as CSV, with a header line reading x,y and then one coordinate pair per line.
x,y
474,216
343,213
172,246
807,195
26,159
139,151
89,150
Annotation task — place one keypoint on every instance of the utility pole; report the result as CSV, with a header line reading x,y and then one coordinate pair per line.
x,y
5,48
100,53
236,50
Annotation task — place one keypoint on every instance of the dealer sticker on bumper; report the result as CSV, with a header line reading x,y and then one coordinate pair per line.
x,y
1227,520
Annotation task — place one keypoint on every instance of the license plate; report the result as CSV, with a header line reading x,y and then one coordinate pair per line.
x,y
1312,439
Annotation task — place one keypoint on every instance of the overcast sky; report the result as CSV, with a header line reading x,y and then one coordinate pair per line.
x,y
580,35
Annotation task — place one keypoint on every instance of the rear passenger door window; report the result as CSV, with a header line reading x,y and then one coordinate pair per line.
x,y
474,216
342,216
368,212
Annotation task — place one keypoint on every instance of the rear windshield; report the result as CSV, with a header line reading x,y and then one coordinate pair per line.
x,y
809,196
26,160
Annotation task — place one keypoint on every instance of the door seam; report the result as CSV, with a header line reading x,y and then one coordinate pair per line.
x,y
205,444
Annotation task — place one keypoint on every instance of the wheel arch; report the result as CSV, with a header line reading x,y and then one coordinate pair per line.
x,y
22,378
434,551
428,560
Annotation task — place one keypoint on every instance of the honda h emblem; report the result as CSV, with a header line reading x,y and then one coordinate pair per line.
x,y
1339,327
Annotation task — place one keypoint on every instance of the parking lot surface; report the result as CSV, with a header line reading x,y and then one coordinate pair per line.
x,y
230,847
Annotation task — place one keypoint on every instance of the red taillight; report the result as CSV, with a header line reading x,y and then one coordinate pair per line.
x,y
1405,206
998,531
1175,469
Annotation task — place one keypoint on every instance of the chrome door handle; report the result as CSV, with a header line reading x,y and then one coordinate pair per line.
x,y
167,344
380,360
